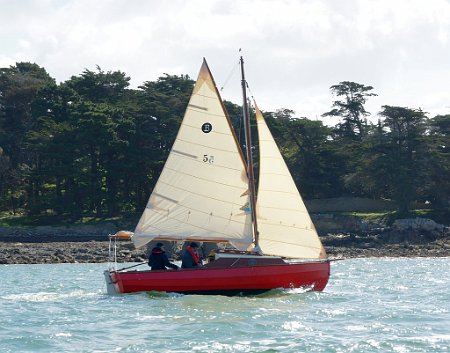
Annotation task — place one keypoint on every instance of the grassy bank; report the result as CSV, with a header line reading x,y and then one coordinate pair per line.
x,y
129,221
23,220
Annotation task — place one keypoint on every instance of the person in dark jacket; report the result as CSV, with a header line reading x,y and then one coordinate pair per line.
x,y
190,258
158,259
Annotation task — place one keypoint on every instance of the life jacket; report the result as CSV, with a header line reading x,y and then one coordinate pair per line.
x,y
194,254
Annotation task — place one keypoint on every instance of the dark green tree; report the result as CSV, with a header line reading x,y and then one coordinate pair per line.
x,y
56,170
437,185
79,143
393,159
93,146
19,85
350,108
100,86
98,117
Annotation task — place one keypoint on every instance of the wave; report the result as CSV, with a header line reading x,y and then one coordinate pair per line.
x,y
49,296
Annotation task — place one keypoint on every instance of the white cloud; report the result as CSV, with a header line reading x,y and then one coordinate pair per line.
x,y
295,50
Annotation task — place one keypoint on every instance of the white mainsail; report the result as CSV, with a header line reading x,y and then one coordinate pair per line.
x,y
201,192
284,225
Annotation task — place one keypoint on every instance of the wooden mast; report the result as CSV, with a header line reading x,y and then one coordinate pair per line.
x,y
248,149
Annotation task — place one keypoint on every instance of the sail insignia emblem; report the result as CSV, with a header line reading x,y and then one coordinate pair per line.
x,y
206,128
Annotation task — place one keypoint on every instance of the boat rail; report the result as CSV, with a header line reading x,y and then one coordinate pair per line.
x,y
112,252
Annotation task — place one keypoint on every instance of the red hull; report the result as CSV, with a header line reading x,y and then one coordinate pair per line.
x,y
225,280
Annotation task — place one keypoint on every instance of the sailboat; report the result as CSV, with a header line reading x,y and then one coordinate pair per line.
x,y
206,193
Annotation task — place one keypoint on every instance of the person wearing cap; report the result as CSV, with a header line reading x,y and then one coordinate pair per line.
x,y
158,259
190,258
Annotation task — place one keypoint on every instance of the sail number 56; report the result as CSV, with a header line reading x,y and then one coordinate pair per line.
x,y
208,159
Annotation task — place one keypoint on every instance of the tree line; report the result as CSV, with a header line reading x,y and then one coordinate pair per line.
x,y
93,146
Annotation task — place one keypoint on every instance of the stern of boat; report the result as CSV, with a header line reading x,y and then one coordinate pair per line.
x,y
110,285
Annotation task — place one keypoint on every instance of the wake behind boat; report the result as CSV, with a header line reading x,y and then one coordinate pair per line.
x,y
206,192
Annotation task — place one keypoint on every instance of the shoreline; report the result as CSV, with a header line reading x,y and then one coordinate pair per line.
x,y
342,237
39,251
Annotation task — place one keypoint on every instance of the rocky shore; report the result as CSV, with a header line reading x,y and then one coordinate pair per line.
x,y
88,244
97,252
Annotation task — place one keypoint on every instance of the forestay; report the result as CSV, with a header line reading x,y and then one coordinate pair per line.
x,y
201,192
285,228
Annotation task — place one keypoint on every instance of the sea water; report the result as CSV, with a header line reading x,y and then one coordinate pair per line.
x,y
369,305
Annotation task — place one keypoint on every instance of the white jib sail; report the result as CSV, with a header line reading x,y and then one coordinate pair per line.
x,y
201,192
284,225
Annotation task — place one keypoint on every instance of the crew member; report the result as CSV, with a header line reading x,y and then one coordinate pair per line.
x,y
158,259
190,257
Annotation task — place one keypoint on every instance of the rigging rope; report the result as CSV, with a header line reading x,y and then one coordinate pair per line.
x,y
232,71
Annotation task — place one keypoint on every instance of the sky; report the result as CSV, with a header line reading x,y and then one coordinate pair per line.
x,y
294,50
